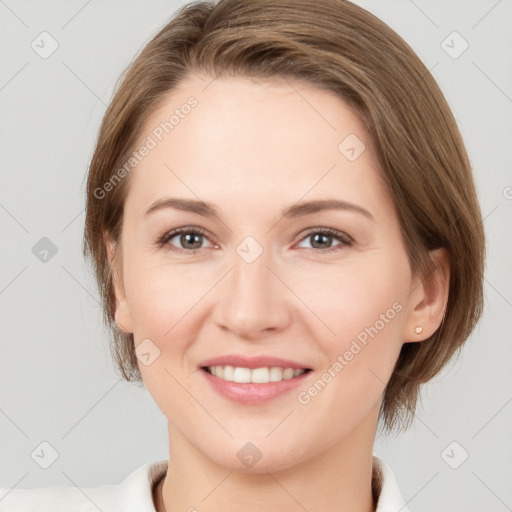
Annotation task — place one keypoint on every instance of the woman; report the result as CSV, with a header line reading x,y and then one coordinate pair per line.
x,y
284,227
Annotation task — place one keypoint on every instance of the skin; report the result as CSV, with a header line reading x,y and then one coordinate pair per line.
x,y
253,148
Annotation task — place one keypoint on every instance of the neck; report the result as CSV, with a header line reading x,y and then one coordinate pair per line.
x,y
337,479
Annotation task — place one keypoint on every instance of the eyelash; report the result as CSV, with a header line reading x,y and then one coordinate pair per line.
x,y
345,240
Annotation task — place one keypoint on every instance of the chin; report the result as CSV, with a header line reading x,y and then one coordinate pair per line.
x,y
244,456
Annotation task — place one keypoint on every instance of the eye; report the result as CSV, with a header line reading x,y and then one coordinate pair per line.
x,y
190,239
321,240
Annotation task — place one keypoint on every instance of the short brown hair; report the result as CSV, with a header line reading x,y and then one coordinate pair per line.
x,y
336,46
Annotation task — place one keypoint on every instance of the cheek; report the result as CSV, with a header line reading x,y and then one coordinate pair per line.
x,y
356,301
167,307
164,306
364,310
161,295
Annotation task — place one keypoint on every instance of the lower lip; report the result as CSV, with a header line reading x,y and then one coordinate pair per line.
x,y
253,394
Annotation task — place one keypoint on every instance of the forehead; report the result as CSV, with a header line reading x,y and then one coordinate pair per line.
x,y
235,138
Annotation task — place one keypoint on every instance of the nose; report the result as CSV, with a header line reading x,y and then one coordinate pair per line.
x,y
252,300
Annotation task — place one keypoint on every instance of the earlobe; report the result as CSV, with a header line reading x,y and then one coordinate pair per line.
x,y
122,311
428,300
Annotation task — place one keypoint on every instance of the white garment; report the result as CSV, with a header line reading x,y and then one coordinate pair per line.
x,y
135,494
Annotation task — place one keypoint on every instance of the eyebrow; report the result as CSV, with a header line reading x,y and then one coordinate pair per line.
x,y
296,210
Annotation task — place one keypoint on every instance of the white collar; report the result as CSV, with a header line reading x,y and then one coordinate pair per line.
x,y
140,484
390,499
135,492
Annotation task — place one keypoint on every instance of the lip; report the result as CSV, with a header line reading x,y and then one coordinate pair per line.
x,y
252,362
251,393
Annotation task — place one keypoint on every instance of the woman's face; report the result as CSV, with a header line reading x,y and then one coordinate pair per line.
x,y
266,277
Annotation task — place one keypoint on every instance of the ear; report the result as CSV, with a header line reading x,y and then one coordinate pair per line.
x,y
122,315
428,299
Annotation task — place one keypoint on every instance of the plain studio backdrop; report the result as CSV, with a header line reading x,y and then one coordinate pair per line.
x,y
59,64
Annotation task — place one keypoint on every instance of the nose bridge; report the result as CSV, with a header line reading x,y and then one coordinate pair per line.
x,y
251,276
252,298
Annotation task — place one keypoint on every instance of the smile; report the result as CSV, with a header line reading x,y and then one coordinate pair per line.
x,y
262,375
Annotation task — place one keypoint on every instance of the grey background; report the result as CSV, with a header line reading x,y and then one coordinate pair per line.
x,y
57,383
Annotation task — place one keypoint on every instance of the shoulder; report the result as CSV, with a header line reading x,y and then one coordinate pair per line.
x,y
134,490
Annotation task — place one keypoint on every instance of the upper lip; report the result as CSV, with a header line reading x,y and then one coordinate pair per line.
x,y
252,362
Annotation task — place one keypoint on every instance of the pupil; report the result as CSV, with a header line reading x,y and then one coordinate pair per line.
x,y
321,236
188,239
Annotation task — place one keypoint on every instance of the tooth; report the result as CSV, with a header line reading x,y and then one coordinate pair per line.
x,y
288,373
242,375
276,374
260,376
229,373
